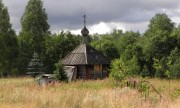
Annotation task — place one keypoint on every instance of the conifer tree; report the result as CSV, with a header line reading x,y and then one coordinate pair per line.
x,y
8,42
35,66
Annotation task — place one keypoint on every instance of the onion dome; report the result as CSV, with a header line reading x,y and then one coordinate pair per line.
x,y
84,31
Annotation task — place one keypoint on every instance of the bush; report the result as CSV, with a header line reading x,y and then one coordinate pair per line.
x,y
60,73
118,70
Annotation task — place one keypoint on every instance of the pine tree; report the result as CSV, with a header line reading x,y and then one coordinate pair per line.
x,y
35,66
8,42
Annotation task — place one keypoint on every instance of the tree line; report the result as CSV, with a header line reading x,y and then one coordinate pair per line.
x,y
17,50
154,53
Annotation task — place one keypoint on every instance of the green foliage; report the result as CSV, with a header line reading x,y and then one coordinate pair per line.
x,y
158,43
144,72
175,69
60,73
138,53
130,52
175,35
35,66
124,67
144,88
58,46
34,22
26,52
160,22
168,67
155,53
175,94
109,50
129,38
174,65
133,66
162,68
34,30
106,45
9,46
118,70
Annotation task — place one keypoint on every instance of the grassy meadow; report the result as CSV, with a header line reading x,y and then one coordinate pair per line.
x,y
25,93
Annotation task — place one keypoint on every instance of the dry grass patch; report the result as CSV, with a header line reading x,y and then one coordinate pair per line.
x,y
25,93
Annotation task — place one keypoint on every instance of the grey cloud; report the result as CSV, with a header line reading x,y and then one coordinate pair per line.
x,y
70,12
67,14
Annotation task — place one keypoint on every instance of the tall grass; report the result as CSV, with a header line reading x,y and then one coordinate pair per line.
x,y
25,93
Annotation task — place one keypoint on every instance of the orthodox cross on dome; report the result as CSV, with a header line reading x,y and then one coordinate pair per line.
x,y
84,20
85,31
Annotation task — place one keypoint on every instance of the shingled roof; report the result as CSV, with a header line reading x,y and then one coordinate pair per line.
x,y
84,54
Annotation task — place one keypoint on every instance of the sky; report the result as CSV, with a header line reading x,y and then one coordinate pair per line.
x,y
102,15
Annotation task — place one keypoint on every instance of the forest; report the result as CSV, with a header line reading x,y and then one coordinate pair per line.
x,y
154,53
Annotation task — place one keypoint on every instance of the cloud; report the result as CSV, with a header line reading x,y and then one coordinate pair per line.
x,y
176,19
102,28
106,14
15,9
141,27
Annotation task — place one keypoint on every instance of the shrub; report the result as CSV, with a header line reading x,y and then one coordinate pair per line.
x,y
59,72
118,70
